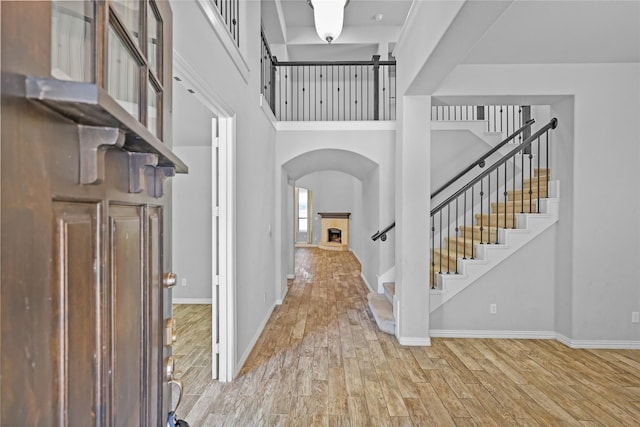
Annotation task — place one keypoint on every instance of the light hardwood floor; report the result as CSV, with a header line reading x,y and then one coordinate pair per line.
x,y
321,361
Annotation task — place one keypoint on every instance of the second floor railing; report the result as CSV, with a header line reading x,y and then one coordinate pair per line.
x,y
328,91
499,118
230,12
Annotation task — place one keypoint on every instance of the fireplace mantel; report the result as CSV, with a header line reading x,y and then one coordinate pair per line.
x,y
334,214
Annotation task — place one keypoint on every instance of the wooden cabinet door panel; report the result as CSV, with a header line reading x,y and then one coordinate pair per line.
x,y
77,326
127,304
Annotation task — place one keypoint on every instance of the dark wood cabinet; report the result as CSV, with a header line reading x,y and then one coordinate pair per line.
x,y
82,302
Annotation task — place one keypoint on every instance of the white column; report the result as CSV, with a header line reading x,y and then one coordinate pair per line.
x,y
412,220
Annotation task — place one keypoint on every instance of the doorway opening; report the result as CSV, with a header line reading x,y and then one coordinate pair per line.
x,y
202,245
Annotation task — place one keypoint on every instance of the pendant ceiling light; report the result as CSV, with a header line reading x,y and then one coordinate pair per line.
x,y
328,16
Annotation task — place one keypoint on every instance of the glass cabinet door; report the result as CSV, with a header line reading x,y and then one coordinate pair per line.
x,y
132,57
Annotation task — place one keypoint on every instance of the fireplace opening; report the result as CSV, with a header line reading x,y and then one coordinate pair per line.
x,y
335,235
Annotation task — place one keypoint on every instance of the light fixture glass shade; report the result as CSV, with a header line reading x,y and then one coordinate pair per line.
x,y
328,16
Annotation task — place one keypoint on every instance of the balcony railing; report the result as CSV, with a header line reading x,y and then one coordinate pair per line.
x,y
329,91
499,118
230,12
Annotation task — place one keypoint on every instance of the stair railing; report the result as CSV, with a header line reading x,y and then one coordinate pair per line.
x,y
382,235
495,183
482,159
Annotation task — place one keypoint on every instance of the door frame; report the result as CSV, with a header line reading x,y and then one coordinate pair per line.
x,y
226,187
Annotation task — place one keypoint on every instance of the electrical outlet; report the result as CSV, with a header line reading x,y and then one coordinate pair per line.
x,y
493,308
184,282
635,317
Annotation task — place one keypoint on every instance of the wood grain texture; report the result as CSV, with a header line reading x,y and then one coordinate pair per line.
x,y
322,362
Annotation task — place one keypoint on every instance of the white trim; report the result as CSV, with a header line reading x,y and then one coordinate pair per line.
x,y
415,341
284,294
212,15
253,342
215,251
381,125
608,344
191,301
367,283
203,91
227,236
266,109
362,275
291,277
452,333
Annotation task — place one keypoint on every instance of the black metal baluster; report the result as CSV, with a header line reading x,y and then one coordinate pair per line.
x,y
489,208
440,243
521,179
513,219
473,232
481,211
538,180
464,228
456,230
433,246
497,201
361,95
530,180
547,163
448,238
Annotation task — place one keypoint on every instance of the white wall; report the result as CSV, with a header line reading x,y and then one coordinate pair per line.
x,y
192,225
597,157
219,79
452,151
523,289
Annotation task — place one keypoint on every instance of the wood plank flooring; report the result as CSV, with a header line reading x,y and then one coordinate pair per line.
x,y
321,361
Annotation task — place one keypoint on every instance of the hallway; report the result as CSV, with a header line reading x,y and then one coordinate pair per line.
x,y
322,361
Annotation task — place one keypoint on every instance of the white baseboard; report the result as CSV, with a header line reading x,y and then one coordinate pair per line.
x,y
415,341
367,283
191,301
537,335
284,294
291,276
253,342
608,344
450,333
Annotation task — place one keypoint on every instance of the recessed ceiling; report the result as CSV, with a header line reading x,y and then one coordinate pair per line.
x,y
290,22
338,52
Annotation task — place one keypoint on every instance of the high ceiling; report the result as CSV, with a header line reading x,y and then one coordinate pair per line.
x,y
289,28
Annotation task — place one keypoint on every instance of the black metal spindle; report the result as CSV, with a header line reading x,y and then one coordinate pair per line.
x,y
433,245
448,239
440,242
505,198
530,181
464,228
473,255
497,209
456,230
481,211
538,180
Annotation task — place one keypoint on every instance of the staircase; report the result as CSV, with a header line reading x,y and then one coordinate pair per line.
x,y
494,224
477,249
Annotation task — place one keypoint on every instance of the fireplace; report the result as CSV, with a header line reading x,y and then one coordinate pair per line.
x,y
335,231
334,235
